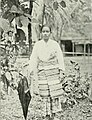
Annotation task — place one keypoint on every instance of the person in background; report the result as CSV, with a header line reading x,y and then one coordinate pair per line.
x,y
8,47
11,37
10,53
47,62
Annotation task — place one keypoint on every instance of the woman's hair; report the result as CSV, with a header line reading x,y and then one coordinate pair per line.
x,y
46,25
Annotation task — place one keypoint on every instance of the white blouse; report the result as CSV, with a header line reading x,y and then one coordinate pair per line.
x,y
43,51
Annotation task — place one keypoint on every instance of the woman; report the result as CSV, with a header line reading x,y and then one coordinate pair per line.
x,y
48,64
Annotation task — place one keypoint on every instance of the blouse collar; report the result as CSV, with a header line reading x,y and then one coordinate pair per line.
x,y
46,43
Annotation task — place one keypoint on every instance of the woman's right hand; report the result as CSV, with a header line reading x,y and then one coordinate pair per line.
x,y
62,75
36,91
36,88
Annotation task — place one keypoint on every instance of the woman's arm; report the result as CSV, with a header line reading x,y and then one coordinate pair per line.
x,y
33,62
60,58
33,59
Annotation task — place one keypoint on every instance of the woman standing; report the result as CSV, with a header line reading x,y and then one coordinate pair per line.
x,y
48,64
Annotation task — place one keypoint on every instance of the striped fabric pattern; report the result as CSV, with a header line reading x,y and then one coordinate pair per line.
x,y
49,83
50,87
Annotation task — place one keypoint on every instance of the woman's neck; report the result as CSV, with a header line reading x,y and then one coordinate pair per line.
x,y
46,40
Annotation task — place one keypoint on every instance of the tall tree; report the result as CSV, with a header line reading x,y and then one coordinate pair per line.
x,y
29,27
68,14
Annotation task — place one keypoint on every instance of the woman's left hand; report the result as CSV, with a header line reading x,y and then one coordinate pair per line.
x,y
61,75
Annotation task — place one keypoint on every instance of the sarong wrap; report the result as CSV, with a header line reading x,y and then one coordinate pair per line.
x,y
50,88
49,83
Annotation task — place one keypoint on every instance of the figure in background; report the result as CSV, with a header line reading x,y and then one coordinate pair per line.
x,y
10,54
11,37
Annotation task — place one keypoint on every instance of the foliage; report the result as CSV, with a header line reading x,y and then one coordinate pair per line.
x,y
14,9
76,86
64,15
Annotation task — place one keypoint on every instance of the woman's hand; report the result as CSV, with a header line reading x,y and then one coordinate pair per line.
x,y
35,85
36,91
61,75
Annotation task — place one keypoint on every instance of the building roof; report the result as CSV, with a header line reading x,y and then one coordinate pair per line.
x,y
75,36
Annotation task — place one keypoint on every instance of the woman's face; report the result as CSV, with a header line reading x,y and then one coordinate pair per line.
x,y
46,32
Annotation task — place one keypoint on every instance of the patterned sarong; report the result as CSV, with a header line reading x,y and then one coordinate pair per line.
x,y
50,88
49,83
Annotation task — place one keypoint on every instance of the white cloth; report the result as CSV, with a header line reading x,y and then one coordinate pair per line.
x,y
43,51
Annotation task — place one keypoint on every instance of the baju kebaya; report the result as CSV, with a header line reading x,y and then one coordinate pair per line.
x,y
47,60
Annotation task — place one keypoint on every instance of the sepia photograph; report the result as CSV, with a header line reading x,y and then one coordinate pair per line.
x,y
46,59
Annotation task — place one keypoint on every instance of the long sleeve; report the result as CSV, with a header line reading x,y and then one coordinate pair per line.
x,y
33,67
33,59
60,57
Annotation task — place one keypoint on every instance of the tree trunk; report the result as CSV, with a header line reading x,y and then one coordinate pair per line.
x,y
43,14
29,28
